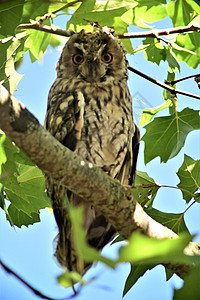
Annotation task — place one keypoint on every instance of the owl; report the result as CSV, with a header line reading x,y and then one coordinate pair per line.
x,y
90,112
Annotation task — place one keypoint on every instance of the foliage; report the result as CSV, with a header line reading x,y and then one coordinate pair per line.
x,y
22,183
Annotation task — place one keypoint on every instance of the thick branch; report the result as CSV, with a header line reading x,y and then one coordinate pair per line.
x,y
108,195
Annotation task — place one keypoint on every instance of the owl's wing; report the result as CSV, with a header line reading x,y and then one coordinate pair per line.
x,y
135,151
64,118
127,171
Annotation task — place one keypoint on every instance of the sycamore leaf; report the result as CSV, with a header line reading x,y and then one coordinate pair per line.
x,y
148,11
7,69
20,218
144,250
15,12
189,175
190,288
165,136
180,12
145,189
10,15
136,272
23,184
155,52
174,222
103,12
187,49
148,113
3,205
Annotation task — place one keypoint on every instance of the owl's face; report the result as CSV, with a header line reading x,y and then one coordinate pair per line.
x,y
93,57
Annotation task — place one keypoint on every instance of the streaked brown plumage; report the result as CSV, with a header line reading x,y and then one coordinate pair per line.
x,y
90,112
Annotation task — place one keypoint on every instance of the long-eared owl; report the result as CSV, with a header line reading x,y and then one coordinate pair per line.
x,y
90,112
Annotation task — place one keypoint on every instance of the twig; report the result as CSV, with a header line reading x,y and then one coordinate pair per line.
x,y
163,85
181,79
49,29
156,33
35,291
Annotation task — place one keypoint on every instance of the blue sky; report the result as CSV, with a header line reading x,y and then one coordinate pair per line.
x,y
29,251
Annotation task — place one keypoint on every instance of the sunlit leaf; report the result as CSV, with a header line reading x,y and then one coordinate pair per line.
x,y
148,113
148,11
67,279
144,250
189,175
165,136
103,12
181,12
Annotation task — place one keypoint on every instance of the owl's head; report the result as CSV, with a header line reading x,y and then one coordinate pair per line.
x,y
93,57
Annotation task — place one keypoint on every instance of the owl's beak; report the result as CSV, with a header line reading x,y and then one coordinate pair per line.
x,y
92,71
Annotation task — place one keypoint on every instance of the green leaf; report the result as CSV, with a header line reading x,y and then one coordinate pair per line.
x,y
189,175
165,136
136,272
187,49
18,217
68,279
3,204
24,184
144,250
37,44
7,68
148,11
181,12
169,96
148,113
145,189
85,252
187,46
10,15
190,289
154,51
174,222
102,12
171,59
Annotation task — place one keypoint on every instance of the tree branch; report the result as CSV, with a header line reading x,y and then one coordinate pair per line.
x,y
82,178
34,290
155,33
37,25
163,85
49,29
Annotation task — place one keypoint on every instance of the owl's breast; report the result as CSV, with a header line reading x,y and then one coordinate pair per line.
x,y
107,127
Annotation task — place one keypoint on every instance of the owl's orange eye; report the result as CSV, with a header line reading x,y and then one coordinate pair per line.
x,y
78,59
107,57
